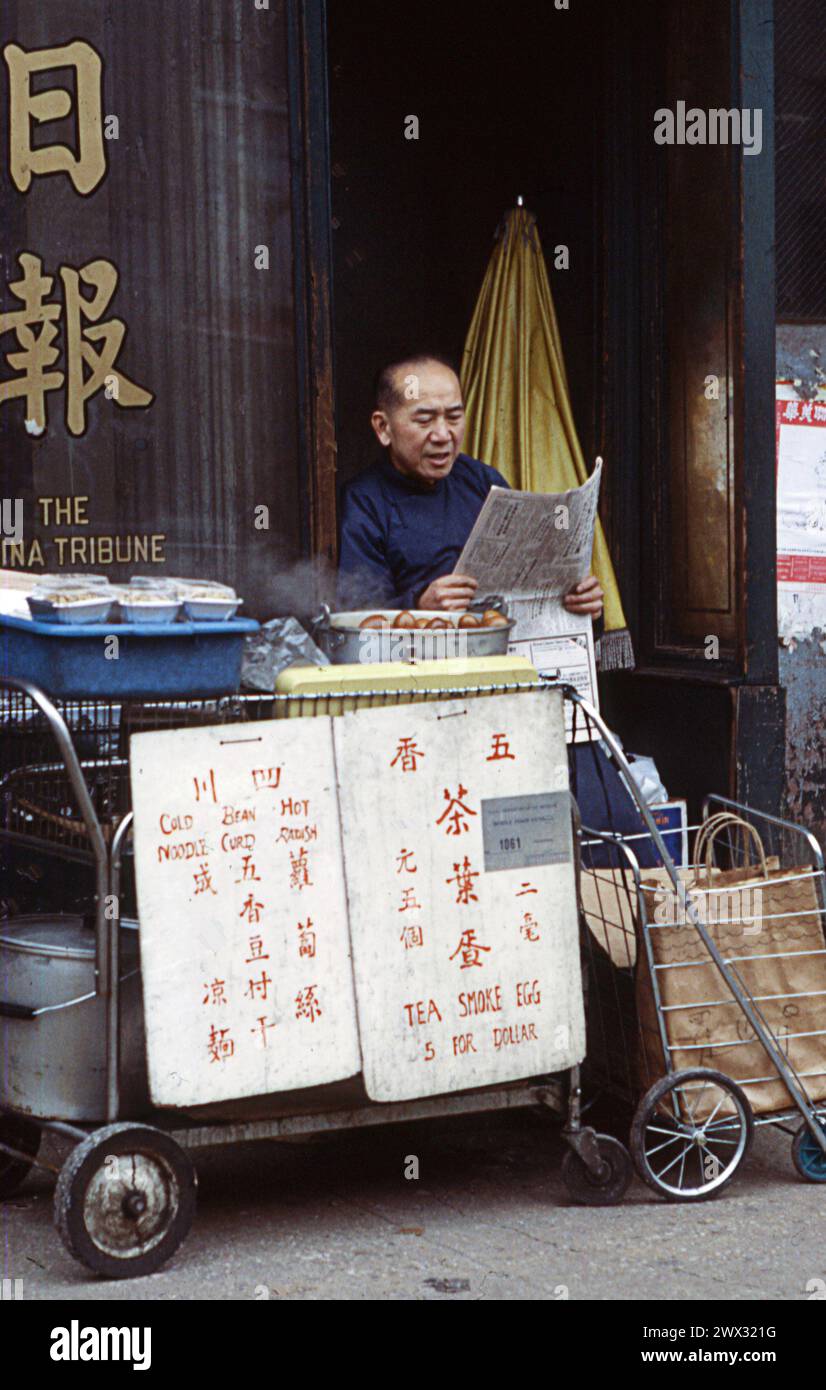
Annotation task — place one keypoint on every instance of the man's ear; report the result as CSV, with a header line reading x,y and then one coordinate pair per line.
x,y
381,427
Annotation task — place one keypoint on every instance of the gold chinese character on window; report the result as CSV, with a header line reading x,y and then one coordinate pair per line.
x,y
91,348
85,168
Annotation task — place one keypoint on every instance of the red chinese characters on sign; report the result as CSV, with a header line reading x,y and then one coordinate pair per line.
x,y
500,750
252,910
529,927
525,888
203,881
307,1004
256,950
300,870
409,900
412,936
205,786
248,874
405,862
469,949
221,1046
463,877
455,812
264,778
258,988
306,939
407,754
261,1029
806,411
215,992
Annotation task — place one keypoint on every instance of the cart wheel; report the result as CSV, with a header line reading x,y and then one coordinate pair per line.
x,y
684,1157
125,1200
594,1190
807,1155
21,1134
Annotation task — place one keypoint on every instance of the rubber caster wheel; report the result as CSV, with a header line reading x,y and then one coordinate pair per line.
x,y
593,1189
690,1133
23,1135
807,1155
125,1200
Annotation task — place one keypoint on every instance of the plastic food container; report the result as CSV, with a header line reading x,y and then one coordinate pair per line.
x,y
199,610
164,660
61,608
140,609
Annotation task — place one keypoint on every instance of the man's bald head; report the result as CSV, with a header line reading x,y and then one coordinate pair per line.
x,y
390,387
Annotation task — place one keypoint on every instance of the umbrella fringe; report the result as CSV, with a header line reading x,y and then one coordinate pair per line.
x,y
615,651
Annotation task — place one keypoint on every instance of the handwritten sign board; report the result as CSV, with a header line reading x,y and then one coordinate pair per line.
x,y
244,947
461,890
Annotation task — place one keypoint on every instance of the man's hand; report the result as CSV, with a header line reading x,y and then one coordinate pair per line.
x,y
585,597
450,591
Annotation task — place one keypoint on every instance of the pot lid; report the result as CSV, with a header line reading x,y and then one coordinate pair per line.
x,y
64,935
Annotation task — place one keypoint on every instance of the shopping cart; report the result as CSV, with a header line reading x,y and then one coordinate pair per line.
x,y
691,1129
125,1196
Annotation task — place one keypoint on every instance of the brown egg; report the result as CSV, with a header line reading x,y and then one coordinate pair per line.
x,y
439,623
470,620
492,618
405,619
375,620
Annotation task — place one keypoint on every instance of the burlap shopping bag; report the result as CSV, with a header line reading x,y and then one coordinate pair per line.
x,y
769,927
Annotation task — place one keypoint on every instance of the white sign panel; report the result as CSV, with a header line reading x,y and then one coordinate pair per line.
x,y
460,881
247,975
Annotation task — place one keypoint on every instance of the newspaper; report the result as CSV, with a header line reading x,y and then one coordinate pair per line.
x,y
532,548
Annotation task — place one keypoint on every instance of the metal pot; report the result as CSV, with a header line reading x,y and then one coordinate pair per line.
x,y
341,637
53,1025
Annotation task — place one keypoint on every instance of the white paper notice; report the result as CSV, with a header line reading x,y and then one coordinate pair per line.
x,y
247,975
560,646
462,895
801,517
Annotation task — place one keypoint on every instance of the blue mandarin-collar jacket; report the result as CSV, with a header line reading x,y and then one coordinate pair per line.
x,y
397,535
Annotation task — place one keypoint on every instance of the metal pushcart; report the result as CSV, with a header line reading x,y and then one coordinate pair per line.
x,y
691,1129
125,1196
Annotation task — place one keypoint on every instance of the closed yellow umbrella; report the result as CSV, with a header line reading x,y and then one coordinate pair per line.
x,y
519,415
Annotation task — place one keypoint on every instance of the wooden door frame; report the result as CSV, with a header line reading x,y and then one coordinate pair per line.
x,y
629,425
311,212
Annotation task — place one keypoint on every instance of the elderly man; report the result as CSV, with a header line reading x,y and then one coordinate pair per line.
x,y
405,519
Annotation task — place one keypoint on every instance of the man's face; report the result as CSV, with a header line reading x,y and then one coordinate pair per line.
x,y
424,432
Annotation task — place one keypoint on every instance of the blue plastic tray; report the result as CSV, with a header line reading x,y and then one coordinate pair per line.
x,y
153,659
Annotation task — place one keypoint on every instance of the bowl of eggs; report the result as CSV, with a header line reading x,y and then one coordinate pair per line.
x,y
372,635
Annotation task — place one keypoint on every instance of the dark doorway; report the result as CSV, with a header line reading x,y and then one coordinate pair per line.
x,y
507,99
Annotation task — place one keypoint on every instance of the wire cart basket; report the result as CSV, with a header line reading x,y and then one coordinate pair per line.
x,y
714,1033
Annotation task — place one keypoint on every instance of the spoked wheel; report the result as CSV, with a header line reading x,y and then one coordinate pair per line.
x,y
24,1136
125,1200
604,1186
690,1134
807,1155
